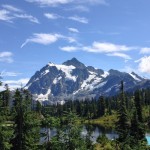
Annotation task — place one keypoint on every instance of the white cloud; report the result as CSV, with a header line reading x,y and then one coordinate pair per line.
x,y
145,50
5,54
13,84
9,13
9,74
103,47
144,64
93,2
6,57
12,8
52,16
69,48
73,30
108,49
51,3
79,19
70,39
42,38
80,8
5,16
122,55
46,39
28,17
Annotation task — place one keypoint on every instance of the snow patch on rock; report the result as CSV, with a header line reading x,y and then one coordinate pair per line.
x,y
134,77
66,69
105,74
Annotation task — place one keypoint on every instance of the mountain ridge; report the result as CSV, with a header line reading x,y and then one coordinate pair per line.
x,y
73,80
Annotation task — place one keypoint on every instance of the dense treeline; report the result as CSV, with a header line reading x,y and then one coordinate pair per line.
x,y
21,121
95,108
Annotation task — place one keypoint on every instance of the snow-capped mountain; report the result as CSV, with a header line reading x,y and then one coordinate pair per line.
x,y
72,80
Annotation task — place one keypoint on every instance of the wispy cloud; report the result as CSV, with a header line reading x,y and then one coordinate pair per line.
x,y
109,49
73,30
46,39
42,38
93,2
144,64
79,19
5,16
9,13
80,8
52,16
6,57
145,50
104,47
11,8
13,84
52,3
9,74
69,48
122,55
28,17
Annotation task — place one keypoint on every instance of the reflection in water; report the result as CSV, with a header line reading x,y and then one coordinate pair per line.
x,y
93,130
96,130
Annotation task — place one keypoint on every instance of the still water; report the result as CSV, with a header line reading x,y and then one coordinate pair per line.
x,y
148,138
95,131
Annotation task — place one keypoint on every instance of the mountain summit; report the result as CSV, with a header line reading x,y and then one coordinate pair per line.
x,y
74,62
74,80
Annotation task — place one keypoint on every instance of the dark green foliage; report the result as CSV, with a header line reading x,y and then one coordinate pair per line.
x,y
101,107
5,136
19,128
88,137
137,129
5,126
122,126
69,136
102,139
26,123
138,105
38,107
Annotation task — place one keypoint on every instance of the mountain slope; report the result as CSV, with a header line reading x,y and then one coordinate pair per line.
x,y
73,79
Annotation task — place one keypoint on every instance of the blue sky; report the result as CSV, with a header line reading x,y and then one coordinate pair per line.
x,y
105,34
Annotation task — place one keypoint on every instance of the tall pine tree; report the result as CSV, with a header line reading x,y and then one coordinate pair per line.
x,y
122,123
26,124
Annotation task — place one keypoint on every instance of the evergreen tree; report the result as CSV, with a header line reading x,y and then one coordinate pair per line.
x,y
6,96
38,107
122,125
5,128
69,136
138,105
101,106
137,127
137,130
26,124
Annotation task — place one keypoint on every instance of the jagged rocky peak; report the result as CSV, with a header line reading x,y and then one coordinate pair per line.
x,y
74,62
92,69
115,72
74,80
133,73
136,77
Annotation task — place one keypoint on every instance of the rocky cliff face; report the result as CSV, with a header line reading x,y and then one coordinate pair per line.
x,y
72,80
